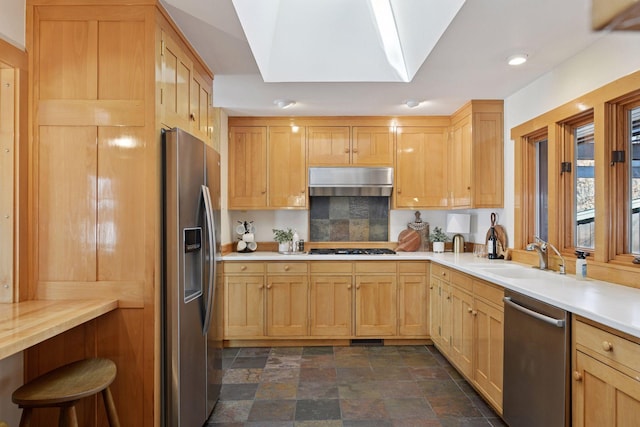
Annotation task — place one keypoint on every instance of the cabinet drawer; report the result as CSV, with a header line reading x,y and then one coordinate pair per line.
x,y
243,267
440,272
489,292
607,346
462,281
413,267
376,267
331,267
287,267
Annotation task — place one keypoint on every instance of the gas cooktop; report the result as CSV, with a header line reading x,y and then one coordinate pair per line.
x,y
351,251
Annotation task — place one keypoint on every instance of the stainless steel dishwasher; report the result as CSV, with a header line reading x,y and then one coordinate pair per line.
x,y
536,390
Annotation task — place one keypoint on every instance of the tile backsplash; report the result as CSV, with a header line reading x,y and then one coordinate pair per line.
x,y
349,219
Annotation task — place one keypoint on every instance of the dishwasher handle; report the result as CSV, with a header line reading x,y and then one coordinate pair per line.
x,y
559,323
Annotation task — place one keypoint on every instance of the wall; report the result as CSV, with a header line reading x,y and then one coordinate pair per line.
x,y
12,21
609,58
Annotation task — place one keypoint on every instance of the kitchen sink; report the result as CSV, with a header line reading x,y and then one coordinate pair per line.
x,y
514,272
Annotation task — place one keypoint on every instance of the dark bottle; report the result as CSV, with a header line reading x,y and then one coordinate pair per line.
x,y
492,244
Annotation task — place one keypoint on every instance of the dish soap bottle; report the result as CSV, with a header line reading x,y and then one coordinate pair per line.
x,y
296,238
581,265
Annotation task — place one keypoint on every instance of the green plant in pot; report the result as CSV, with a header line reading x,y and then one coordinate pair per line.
x,y
284,239
438,237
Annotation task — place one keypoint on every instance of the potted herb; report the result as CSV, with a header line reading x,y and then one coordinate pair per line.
x,y
438,237
284,239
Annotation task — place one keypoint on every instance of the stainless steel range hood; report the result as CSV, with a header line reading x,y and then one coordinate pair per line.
x,y
350,181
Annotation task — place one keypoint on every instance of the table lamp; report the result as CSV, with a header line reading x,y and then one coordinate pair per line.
x,y
459,224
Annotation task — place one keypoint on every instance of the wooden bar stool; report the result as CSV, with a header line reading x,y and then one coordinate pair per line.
x,y
64,386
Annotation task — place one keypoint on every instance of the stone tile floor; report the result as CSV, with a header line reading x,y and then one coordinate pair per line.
x,y
356,386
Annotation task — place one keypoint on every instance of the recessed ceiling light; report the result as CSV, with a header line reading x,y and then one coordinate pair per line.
x,y
518,59
412,103
284,103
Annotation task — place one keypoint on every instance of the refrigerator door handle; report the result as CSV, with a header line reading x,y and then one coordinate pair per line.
x,y
212,264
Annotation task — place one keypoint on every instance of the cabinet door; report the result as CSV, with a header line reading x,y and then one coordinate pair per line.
x,y
603,396
328,146
376,305
489,351
287,167
248,168
488,158
462,331
460,164
421,172
435,303
287,306
372,146
446,323
177,71
331,306
200,105
413,306
243,306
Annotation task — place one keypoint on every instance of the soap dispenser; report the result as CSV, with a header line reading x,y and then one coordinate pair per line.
x,y
581,265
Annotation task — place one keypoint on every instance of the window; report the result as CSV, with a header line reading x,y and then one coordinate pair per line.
x,y
584,187
634,180
542,189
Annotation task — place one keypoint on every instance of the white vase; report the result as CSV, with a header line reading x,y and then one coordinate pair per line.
x,y
284,247
438,247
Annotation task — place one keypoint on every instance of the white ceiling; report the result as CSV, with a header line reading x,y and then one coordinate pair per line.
x,y
468,61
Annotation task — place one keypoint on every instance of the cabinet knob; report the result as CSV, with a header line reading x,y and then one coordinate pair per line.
x,y
607,346
355,151
449,297
260,287
474,312
577,376
243,267
268,286
348,286
431,287
357,286
469,310
286,268
192,117
444,273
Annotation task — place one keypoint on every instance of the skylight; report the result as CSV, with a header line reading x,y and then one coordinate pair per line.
x,y
343,40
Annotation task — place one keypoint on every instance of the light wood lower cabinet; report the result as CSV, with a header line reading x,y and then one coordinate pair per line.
x,y
328,300
606,372
470,332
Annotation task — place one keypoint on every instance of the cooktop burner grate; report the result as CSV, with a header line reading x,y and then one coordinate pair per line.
x,y
351,251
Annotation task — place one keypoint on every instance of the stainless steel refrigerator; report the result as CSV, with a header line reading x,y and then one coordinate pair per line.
x,y
191,313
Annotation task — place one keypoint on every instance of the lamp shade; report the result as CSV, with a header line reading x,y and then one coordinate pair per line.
x,y
458,223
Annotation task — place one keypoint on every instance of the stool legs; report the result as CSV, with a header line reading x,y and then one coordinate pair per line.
x,y
25,418
68,417
110,408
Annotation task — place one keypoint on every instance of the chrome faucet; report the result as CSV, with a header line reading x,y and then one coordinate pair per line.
x,y
540,246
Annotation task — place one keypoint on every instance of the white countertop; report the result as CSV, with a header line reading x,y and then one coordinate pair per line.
x,y
612,305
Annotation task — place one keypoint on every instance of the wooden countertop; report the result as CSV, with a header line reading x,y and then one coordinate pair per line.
x,y
25,324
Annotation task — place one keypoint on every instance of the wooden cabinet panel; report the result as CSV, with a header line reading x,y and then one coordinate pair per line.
x,y
248,167
413,308
199,108
67,203
177,70
287,306
603,396
488,160
67,59
372,146
328,146
462,319
421,168
460,167
376,302
121,60
331,306
489,351
244,306
287,167
121,212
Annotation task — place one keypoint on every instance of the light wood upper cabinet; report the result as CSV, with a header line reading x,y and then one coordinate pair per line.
x,y
177,72
346,145
201,99
421,167
476,153
247,167
372,146
329,145
287,167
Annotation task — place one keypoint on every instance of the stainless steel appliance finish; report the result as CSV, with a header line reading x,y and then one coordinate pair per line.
x,y
191,339
351,251
536,363
350,181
